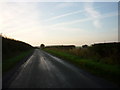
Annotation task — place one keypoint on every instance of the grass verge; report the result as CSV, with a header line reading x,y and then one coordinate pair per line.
x,y
10,63
107,71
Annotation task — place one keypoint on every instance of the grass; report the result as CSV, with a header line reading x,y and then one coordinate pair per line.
x,y
10,63
107,71
13,51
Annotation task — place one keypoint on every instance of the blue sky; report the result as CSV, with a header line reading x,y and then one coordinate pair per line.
x,y
61,23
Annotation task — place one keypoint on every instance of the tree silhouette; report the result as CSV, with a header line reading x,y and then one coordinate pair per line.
x,y
84,46
42,46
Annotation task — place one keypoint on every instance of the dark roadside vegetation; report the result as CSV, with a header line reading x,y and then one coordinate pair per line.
x,y
101,59
14,54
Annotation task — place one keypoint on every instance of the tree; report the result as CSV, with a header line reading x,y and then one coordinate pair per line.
x,y
84,46
42,46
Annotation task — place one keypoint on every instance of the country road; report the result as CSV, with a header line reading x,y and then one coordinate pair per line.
x,y
43,70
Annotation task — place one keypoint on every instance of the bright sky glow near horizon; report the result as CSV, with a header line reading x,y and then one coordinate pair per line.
x,y
61,23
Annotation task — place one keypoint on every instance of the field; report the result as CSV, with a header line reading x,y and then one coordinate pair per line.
x,y
99,59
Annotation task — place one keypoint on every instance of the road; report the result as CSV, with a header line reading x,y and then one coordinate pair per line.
x,y
43,70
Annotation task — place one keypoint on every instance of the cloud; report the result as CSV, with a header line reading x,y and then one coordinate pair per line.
x,y
95,15
89,10
18,17
95,22
64,15
75,12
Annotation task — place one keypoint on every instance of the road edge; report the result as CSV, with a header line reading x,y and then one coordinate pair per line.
x,y
8,77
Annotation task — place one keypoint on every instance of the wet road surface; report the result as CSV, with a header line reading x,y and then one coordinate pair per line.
x,y
43,70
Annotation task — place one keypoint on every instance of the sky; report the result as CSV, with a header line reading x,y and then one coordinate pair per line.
x,y
60,23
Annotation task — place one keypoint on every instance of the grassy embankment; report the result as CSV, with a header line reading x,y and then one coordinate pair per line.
x,y
10,63
99,59
13,51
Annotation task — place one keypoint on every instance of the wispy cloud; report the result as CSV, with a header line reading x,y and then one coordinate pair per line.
x,y
90,10
94,14
87,19
18,17
64,15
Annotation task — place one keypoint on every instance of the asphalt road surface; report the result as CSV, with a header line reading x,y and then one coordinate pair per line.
x,y
43,70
